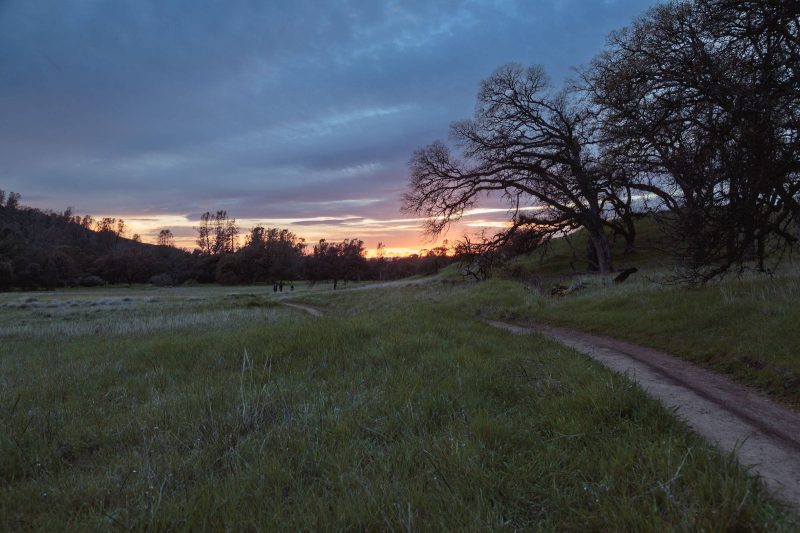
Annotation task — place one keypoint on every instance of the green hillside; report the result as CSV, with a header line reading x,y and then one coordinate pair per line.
x,y
743,326
565,256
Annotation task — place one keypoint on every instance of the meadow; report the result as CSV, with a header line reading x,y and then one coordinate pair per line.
x,y
744,326
219,408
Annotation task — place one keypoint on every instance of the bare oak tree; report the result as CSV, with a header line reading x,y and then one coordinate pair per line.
x,y
701,98
538,149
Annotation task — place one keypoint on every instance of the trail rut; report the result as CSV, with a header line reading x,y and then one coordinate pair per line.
x,y
764,435
311,310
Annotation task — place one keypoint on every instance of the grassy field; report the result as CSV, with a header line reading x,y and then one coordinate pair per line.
x,y
210,408
745,327
563,257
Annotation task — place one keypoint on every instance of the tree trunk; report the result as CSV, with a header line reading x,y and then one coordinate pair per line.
x,y
602,252
630,238
591,256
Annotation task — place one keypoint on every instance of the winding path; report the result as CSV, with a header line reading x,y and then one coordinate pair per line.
x,y
764,435
311,310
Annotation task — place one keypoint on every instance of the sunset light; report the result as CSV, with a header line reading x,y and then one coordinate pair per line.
x,y
293,133
401,236
400,265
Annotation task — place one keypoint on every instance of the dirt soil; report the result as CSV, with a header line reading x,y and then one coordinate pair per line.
x,y
313,311
764,435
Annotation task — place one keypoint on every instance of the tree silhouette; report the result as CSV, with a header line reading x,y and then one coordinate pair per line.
x,y
536,147
702,101
217,234
166,238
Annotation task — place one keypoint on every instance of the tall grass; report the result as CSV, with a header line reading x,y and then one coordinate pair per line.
x,y
135,323
397,411
745,326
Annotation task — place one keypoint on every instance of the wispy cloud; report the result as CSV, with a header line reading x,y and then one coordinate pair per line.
x,y
301,114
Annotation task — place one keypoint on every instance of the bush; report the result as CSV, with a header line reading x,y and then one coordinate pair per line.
x,y
517,271
91,281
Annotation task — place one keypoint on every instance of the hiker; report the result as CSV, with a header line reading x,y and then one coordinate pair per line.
x,y
291,287
275,288
281,286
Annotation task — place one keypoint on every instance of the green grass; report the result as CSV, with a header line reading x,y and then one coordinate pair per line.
x,y
564,257
396,411
744,327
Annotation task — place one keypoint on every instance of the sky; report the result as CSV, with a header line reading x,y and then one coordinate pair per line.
x,y
299,114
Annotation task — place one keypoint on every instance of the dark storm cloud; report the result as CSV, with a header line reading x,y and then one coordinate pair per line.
x,y
267,109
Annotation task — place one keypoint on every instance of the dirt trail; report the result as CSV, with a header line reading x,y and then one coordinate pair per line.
x,y
313,311
765,436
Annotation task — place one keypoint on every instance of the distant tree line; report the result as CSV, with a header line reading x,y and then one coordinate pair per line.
x,y
272,255
46,250
691,113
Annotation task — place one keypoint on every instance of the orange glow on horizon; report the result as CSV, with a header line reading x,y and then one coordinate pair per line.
x,y
401,237
389,253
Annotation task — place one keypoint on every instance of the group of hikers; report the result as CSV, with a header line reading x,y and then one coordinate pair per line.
x,y
278,286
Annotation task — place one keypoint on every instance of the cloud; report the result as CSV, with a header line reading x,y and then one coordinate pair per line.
x,y
276,111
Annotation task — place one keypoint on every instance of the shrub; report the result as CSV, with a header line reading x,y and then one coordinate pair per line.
x,y
91,281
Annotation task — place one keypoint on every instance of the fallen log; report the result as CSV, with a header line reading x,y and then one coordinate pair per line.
x,y
625,274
